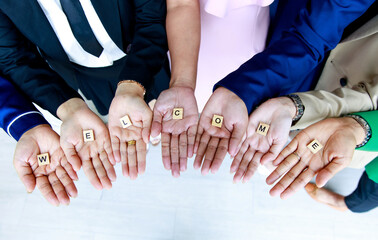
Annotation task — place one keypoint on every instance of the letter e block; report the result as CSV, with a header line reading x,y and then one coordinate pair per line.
x,y
262,129
125,121
43,159
178,113
88,135
217,121
314,146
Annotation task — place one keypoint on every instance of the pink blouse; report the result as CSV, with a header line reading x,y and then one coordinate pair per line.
x,y
232,31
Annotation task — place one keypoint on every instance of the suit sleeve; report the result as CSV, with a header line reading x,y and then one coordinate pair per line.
x,y
283,66
21,63
321,104
17,113
149,45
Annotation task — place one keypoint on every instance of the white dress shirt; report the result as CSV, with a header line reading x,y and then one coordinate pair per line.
x,y
71,46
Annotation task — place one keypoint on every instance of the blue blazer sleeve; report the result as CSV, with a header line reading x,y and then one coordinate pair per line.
x,y
17,114
283,66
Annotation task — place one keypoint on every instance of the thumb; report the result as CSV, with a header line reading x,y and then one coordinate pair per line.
x,y
147,128
25,173
237,137
329,172
71,155
156,123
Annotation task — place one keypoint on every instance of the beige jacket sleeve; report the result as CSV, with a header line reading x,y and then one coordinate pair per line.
x,y
321,104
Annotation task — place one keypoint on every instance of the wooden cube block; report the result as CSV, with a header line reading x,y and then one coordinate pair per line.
x,y
262,129
88,135
315,146
125,121
43,159
178,113
217,121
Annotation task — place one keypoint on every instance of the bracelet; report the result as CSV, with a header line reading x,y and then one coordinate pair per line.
x,y
298,105
132,81
365,125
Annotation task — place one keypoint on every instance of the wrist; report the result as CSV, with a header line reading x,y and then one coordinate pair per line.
x,y
361,129
130,87
70,107
183,82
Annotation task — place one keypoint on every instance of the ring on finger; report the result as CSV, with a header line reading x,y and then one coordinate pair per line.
x,y
297,155
132,142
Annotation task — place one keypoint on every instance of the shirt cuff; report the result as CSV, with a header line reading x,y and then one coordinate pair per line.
x,y
25,122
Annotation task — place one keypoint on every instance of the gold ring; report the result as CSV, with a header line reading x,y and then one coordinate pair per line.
x,y
132,142
297,155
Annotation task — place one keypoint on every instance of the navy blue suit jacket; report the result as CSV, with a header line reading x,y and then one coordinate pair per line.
x,y
302,34
17,113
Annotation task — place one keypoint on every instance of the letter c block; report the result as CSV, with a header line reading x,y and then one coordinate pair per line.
x,y
177,113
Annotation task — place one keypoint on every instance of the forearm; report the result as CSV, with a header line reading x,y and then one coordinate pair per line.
x,y
321,104
183,31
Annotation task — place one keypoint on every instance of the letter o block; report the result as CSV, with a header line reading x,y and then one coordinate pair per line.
x,y
217,121
125,121
88,135
314,146
43,159
262,129
177,113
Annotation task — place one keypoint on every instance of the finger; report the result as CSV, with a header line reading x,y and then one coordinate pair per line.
x,y
46,190
71,154
58,189
175,165
25,173
237,159
273,152
109,168
68,168
191,140
156,123
132,160
141,156
289,149
282,168
219,155
209,155
90,173
117,147
124,160
147,127
165,150
237,137
288,179
252,167
299,183
244,164
67,182
205,138
101,172
329,172
198,138
183,145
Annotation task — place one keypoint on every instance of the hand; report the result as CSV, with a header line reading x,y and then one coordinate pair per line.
x,y
177,136
129,101
278,114
96,156
339,137
53,180
214,142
